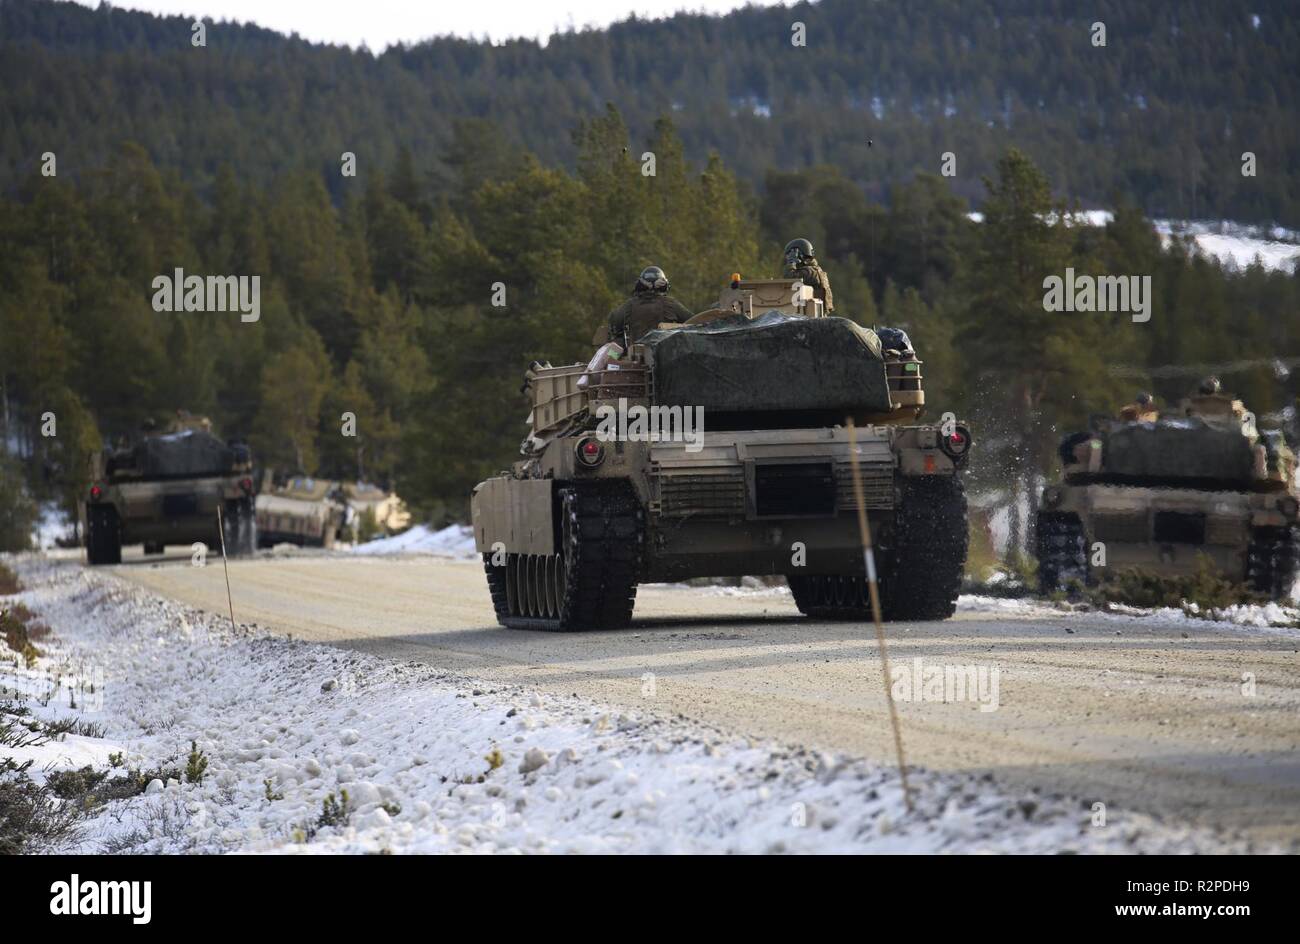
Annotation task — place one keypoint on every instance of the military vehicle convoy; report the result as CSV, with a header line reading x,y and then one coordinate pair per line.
x,y
719,448
1163,493
165,489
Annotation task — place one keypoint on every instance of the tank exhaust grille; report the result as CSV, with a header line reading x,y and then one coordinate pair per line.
x,y
877,485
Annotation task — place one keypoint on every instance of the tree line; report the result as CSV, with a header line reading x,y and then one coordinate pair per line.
x,y
382,306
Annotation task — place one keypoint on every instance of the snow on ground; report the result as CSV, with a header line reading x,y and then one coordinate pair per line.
x,y
1233,245
52,525
456,540
434,762
1272,617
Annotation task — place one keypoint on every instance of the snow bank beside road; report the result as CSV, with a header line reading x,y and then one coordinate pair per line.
x,y
432,762
455,540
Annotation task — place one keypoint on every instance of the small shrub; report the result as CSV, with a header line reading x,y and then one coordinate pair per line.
x,y
1206,589
74,784
196,765
32,819
9,582
16,637
494,759
271,794
17,733
334,812
115,759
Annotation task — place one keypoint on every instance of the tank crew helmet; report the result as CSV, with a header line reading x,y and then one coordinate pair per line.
x,y
651,279
1143,398
797,252
1211,385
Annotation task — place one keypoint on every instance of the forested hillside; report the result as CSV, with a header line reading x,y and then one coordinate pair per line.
x,y
1160,115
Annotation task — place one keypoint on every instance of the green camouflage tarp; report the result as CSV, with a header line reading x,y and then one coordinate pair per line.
x,y
1168,450
775,362
187,453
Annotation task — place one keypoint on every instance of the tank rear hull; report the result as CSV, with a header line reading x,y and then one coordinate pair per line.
x,y
1167,532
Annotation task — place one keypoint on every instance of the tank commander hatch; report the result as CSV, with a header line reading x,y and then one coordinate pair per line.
x,y
801,263
649,306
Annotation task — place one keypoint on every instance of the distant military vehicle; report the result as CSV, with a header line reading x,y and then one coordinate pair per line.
x,y
302,510
1163,492
165,489
719,448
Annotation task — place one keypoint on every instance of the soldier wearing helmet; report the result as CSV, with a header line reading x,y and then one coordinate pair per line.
x,y
801,263
649,306
1141,410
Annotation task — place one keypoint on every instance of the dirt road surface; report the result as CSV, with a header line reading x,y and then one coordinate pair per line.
x,y
1133,713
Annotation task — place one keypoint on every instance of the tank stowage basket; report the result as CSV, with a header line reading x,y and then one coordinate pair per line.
x,y
556,395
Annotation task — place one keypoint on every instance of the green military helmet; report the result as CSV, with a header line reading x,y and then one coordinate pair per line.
x,y
1211,385
651,280
797,252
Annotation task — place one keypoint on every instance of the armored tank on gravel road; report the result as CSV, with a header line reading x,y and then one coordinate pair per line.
x,y
1163,493
720,448
165,489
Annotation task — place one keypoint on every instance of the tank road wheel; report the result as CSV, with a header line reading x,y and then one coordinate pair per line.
x,y
103,536
1272,561
1062,551
591,583
921,577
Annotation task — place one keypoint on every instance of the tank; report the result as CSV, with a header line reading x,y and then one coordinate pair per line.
x,y
719,448
1164,493
301,510
165,488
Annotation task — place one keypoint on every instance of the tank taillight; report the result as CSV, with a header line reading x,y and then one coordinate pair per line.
x,y
956,443
590,452
96,493
247,485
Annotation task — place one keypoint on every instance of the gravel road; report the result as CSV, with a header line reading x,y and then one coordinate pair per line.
x,y
1135,713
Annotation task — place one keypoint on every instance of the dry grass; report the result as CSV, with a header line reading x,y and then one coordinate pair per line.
x,y
9,583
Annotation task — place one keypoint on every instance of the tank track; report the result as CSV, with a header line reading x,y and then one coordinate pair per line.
x,y
931,539
831,597
103,536
1062,551
920,576
591,584
1272,561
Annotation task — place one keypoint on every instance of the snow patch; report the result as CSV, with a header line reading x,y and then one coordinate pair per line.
x,y
455,540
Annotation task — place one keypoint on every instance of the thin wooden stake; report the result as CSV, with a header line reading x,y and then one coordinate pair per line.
x,y
221,533
869,560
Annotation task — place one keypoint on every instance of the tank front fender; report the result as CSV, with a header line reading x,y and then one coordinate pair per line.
x,y
515,514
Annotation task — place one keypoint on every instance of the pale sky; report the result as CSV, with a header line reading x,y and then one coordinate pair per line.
x,y
380,23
